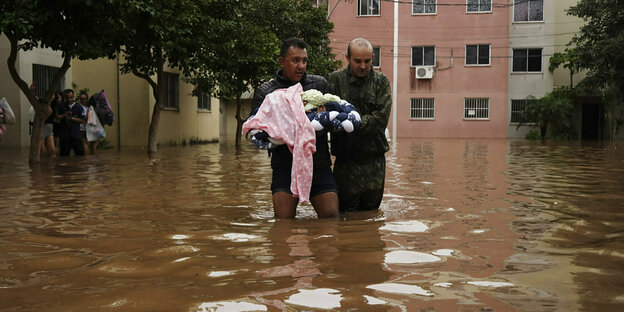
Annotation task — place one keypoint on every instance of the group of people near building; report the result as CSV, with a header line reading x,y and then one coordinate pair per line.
x,y
358,176
65,130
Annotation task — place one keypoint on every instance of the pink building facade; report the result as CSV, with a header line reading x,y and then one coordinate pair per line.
x,y
452,64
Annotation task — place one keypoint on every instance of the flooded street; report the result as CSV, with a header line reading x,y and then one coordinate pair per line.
x,y
465,225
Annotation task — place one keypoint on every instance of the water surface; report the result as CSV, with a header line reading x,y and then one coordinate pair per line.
x,y
465,225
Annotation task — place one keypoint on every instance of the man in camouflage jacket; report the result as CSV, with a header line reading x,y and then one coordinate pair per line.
x,y
360,165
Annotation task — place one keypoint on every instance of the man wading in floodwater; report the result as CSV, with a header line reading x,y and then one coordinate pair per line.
x,y
323,193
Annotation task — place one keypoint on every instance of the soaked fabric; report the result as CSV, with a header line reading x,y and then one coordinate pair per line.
x,y
282,116
360,182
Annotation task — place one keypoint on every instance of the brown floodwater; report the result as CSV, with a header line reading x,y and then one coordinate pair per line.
x,y
465,225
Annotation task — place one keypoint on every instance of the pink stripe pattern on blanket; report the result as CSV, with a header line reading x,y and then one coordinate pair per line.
x,y
282,116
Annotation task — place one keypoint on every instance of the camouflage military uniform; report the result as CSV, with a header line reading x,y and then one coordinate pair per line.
x,y
360,166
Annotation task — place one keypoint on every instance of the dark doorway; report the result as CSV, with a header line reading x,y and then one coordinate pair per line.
x,y
593,122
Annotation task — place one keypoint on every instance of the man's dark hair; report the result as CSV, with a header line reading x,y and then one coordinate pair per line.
x,y
68,90
291,42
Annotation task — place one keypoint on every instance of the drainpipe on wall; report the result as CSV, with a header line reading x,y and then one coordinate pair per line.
x,y
395,66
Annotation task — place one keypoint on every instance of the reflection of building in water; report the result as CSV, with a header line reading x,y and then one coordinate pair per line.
x,y
448,245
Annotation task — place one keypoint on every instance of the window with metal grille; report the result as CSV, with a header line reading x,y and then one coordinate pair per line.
x,y
528,10
520,111
478,54
476,108
376,57
479,6
423,56
170,81
424,6
527,60
42,77
203,101
368,7
422,108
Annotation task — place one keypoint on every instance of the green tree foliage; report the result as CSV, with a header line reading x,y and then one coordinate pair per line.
x,y
161,34
599,45
79,29
554,114
250,35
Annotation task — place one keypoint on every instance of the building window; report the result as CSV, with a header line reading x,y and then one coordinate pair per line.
x,y
422,108
368,7
478,54
42,78
528,10
520,111
376,57
476,108
170,81
203,101
479,5
527,60
424,6
423,56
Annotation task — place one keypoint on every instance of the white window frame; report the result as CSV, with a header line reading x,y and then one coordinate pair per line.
x,y
419,105
480,3
425,4
171,99
474,108
369,9
526,70
489,63
423,48
528,2
204,101
520,106
376,55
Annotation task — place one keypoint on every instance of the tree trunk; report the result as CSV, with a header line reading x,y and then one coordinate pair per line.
x,y
152,138
239,121
152,141
41,106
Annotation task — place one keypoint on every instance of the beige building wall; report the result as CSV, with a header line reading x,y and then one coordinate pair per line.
x,y
132,101
17,135
566,26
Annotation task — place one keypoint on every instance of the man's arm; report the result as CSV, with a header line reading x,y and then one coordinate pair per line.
x,y
377,120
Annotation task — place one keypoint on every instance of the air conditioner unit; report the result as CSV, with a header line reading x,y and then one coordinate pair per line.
x,y
424,72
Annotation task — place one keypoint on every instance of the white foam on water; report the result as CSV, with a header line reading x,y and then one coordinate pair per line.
x,y
398,288
450,209
230,306
411,226
243,224
406,256
444,284
443,252
219,273
490,284
321,298
426,182
478,231
181,259
236,237
373,301
179,236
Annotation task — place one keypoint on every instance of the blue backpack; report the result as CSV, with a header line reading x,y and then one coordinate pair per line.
x,y
99,101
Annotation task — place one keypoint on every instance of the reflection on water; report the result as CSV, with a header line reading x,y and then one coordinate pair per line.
x,y
465,225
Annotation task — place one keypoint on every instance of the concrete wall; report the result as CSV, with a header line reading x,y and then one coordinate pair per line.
x,y
449,30
133,103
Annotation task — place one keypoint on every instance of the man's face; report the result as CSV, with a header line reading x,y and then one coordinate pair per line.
x,y
294,64
360,61
70,97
